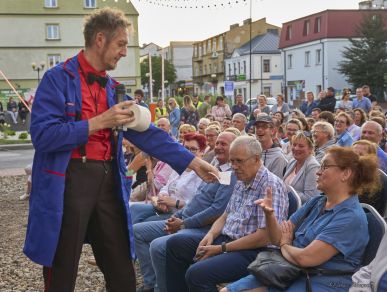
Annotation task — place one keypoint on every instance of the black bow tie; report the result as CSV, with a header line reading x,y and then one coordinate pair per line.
x,y
91,78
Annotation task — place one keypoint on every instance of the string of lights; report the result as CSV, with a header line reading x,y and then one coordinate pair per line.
x,y
192,4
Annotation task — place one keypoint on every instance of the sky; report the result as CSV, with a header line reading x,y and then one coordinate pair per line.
x,y
161,25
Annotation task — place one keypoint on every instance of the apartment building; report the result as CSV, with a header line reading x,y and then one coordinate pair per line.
x,y
208,55
46,32
312,48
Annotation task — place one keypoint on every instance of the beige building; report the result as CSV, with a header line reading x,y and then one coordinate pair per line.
x,y
208,55
46,32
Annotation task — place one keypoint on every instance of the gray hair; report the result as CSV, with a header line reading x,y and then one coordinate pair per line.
x,y
378,127
204,121
240,116
165,120
251,144
325,127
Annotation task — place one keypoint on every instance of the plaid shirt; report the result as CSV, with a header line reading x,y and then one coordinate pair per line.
x,y
243,216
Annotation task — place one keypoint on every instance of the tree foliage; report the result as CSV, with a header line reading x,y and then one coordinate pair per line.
x,y
365,61
169,73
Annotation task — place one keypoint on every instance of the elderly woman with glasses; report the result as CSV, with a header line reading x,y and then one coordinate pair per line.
x,y
178,190
301,170
342,122
330,232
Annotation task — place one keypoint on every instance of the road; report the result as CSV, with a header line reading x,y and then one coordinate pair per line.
x,y
15,158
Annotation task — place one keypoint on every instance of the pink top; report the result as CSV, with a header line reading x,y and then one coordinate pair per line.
x,y
220,112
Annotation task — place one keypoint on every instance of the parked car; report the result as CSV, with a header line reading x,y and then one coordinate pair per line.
x,y
270,102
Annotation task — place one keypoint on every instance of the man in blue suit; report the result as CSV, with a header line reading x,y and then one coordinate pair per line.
x,y
80,188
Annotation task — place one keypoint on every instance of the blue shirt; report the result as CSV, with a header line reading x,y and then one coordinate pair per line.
x,y
344,227
364,104
345,139
243,216
243,109
382,157
307,109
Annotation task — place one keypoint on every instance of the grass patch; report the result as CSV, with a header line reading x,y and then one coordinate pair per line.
x,y
9,142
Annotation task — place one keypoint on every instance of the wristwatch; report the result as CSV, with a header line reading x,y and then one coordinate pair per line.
x,y
224,249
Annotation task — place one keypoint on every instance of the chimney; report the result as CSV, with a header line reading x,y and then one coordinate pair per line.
x,y
247,21
232,26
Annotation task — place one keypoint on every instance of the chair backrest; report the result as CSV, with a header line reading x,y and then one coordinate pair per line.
x,y
377,227
294,200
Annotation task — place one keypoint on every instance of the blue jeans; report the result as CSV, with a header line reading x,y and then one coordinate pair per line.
x,y
146,212
150,241
203,276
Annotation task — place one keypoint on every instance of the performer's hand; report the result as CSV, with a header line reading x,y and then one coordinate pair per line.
x,y
204,170
117,115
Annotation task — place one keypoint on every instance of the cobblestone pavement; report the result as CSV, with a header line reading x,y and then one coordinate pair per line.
x,y
17,272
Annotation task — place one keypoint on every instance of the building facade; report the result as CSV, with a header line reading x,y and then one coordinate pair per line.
x,y
266,69
208,55
46,32
312,48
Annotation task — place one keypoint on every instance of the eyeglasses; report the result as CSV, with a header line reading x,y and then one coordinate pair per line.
x,y
316,131
240,161
192,149
340,122
324,166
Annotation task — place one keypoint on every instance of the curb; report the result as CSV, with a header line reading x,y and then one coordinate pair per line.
x,y
17,146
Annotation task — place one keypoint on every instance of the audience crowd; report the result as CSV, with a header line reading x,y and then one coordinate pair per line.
x,y
196,236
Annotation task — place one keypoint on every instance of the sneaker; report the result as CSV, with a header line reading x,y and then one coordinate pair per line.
x,y
144,289
24,197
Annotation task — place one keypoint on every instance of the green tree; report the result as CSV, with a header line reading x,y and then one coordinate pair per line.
x,y
365,61
169,73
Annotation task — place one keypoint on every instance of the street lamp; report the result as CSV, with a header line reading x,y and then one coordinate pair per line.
x,y
38,68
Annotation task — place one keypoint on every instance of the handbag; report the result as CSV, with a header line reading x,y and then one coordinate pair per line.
x,y
272,269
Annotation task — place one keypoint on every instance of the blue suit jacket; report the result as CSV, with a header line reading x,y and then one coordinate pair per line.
x,y
55,133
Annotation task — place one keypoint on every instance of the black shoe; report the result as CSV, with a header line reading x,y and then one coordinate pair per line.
x,y
144,289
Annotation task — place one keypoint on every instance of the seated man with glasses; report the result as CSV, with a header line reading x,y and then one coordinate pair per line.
x,y
208,203
195,263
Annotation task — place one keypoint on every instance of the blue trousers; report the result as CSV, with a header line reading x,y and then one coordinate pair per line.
x,y
183,274
145,213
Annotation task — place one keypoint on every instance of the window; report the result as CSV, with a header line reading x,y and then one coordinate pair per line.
x,y
317,25
229,69
220,43
214,44
266,66
267,90
208,46
289,32
307,58
215,68
52,31
200,70
234,68
244,67
53,60
204,49
90,3
306,27
50,3
201,53
209,68
239,68
290,61
205,70
318,57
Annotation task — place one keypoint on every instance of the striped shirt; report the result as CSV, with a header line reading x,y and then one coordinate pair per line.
x,y
243,216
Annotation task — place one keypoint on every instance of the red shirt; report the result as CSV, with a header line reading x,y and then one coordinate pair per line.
x,y
94,102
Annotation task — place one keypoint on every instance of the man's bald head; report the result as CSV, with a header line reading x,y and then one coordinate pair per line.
x,y
372,131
